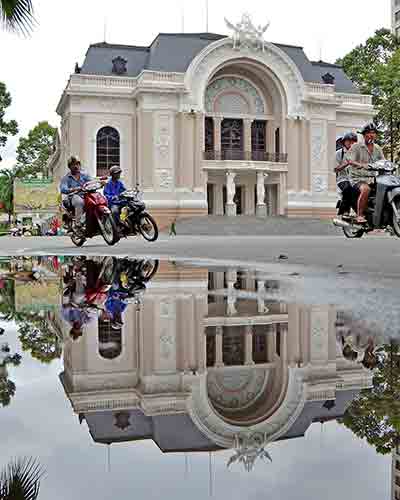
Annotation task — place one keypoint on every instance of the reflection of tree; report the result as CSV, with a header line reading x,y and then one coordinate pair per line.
x,y
37,338
7,387
375,413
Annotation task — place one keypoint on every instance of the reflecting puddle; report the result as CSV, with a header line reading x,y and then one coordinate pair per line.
x,y
116,372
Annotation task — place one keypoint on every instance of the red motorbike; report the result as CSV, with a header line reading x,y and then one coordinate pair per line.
x,y
98,220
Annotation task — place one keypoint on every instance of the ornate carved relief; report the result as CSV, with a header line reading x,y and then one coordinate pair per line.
x,y
230,87
163,155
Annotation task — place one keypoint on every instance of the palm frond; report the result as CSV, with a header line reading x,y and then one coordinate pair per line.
x,y
20,480
17,15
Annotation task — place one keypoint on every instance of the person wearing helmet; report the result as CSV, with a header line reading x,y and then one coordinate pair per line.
x,y
359,157
70,186
342,173
113,190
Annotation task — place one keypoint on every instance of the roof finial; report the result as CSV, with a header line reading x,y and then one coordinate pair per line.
x,y
207,11
105,29
183,15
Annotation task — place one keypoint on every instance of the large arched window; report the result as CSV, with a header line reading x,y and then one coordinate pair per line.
x,y
107,150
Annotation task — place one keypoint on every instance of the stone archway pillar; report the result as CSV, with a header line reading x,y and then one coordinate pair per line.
x,y
261,207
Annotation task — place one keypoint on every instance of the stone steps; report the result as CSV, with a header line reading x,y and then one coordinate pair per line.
x,y
253,226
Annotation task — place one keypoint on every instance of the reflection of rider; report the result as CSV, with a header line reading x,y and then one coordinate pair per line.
x,y
115,306
77,317
360,156
70,186
113,189
342,174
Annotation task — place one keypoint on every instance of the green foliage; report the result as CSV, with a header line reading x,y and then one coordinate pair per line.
x,y
375,414
17,15
36,337
7,178
9,128
375,69
34,150
20,480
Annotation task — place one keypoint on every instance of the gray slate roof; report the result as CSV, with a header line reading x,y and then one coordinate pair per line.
x,y
174,433
175,51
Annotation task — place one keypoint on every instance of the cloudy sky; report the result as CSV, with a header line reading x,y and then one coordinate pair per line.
x,y
36,70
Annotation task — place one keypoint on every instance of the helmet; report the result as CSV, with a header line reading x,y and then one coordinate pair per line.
x,y
369,127
73,160
350,136
115,169
339,142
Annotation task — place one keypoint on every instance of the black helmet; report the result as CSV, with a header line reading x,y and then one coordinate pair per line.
x,y
369,127
73,160
350,136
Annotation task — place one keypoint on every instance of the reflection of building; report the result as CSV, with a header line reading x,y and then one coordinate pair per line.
x,y
396,474
202,366
206,127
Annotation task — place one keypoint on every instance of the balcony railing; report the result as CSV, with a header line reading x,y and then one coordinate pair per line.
x,y
235,155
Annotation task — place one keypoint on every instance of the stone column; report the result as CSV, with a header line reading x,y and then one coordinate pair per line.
x,y
260,300
219,356
261,208
271,343
248,346
230,207
231,278
217,133
218,199
247,136
282,194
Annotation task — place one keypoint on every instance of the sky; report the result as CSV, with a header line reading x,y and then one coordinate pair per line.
x,y
36,69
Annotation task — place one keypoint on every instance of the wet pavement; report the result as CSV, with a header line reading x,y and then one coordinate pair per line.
x,y
145,377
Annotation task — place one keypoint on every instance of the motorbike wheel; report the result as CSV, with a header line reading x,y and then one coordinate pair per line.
x,y
353,233
77,240
396,223
148,227
148,269
108,229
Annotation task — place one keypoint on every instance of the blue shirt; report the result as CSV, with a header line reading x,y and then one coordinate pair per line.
x,y
69,182
112,191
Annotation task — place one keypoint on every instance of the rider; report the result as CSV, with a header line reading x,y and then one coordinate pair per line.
x,y
71,184
359,157
342,174
113,189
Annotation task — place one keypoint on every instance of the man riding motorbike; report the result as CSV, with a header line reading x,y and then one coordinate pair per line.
x,y
113,189
359,157
70,185
342,173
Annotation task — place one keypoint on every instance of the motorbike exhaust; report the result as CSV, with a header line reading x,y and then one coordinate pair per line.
x,y
340,223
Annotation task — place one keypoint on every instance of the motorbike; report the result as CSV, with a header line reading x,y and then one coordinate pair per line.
x,y
99,219
133,217
383,211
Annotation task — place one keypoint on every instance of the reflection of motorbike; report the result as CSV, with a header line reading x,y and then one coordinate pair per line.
x,y
133,217
383,205
98,221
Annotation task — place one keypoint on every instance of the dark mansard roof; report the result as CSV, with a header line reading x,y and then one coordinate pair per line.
x,y
174,52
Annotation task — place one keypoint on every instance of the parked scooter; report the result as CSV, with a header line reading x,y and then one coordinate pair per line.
x,y
133,217
98,220
383,210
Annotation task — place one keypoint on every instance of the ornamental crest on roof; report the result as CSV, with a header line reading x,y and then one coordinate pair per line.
x,y
246,34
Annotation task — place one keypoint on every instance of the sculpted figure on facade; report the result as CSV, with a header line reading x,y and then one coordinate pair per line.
x,y
246,34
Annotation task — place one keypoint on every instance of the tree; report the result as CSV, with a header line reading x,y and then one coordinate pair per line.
x,y
34,150
9,128
374,67
7,387
7,178
17,15
375,414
